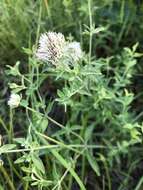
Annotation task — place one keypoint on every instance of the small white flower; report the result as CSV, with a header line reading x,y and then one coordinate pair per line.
x,y
51,45
14,100
74,51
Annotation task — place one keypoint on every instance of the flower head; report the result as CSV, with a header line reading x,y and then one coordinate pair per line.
x,y
73,50
51,45
14,100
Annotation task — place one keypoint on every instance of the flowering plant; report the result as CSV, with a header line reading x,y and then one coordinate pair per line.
x,y
90,95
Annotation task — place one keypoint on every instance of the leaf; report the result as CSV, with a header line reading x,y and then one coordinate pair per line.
x,y
16,88
27,178
24,103
139,184
35,183
25,158
7,147
99,29
1,188
27,51
88,132
38,163
55,172
67,166
46,183
135,46
20,140
44,124
14,70
25,169
20,160
93,163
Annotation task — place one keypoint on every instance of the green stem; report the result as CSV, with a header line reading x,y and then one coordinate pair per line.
x,y
84,124
55,147
71,170
90,25
39,20
10,166
139,185
107,175
52,120
11,126
7,178
57,142
4,126
83,168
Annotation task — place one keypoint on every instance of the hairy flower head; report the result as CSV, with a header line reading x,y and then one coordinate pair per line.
x,y
51,46
14,100
73,51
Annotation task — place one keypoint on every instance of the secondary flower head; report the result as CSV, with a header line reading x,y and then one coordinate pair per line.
x,y
14,100
73,51
51,46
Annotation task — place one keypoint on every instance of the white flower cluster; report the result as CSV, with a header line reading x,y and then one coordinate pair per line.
x,y
53,46
14,100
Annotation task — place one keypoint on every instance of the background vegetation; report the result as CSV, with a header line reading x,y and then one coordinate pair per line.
x,y
80,127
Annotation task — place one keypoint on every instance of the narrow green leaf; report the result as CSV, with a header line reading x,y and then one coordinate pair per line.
x,y
67,166
93,163
38,163
6,148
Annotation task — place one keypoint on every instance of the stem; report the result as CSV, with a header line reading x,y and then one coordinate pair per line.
x,y
57,142
139,185
11,126
90,25
66,165
107,175
10,167
83,168
62,178
39,20
56,146
4,126
84,124
7,178
53,121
